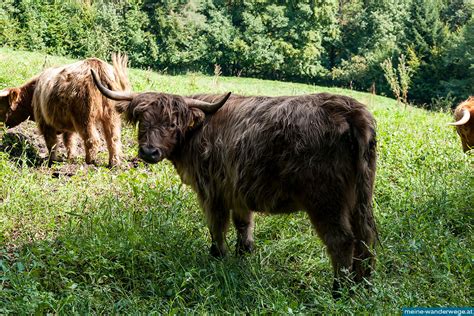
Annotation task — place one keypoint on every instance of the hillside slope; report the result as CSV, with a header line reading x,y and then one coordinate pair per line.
x,y
93,240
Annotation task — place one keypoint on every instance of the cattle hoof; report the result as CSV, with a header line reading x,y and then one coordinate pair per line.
x,y
243,248
92,162
342,288
336,290
51,162
216,252
114,162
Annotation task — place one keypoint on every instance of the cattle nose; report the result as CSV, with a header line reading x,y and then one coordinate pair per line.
x,y
149,154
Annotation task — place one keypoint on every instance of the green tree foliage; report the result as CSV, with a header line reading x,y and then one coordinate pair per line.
x,y
10,30
78,28
332,42
433,44
458,61
371,31
456,13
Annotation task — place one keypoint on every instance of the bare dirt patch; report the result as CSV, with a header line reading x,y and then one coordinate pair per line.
x,y
25,145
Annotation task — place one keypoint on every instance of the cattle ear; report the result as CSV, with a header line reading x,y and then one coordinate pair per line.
x,y
125,108
14,98
197,117
122,106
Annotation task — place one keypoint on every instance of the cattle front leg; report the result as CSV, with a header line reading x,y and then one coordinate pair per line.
x,y
51,140
339,240
69,141
112,137
218,221
91,143
243,222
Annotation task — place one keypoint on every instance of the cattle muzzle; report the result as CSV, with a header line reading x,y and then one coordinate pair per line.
x,y
150,154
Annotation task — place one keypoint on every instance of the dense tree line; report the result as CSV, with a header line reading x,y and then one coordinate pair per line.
x,y
329,42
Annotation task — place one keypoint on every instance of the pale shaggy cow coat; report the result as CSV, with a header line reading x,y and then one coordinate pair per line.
x,y
65,100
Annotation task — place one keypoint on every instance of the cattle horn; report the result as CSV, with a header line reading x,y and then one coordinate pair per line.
x,y
207,107
114,95
4,93
464,119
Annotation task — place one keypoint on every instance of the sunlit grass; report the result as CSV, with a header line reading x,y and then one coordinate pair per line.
x,y
135,241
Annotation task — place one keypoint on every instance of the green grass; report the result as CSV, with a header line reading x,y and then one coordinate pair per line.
x,y
135,241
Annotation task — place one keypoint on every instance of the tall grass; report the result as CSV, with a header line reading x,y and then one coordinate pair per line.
x,y
135,241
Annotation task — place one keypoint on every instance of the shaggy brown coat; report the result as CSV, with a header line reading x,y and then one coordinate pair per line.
x,y
464,115
271,154
65,100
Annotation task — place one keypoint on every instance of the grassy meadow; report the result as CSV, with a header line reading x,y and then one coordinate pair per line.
x,y
133,240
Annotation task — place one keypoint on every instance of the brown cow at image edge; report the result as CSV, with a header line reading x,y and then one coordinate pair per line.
x,y
274,154
65,100
464,115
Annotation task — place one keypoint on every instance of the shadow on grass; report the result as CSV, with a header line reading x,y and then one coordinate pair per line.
x,y
121,260
26,149
21,149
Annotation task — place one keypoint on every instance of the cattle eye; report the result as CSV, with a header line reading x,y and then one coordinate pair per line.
x,y
173,125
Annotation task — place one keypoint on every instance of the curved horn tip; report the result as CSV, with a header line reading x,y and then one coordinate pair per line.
x,y
216,106
206,106
222,101
463,120
227,96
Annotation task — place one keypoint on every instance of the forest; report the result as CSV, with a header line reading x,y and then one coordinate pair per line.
x,y
424,48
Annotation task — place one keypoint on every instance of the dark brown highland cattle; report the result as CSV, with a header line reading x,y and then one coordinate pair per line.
x,y
65,100
271,154
464,115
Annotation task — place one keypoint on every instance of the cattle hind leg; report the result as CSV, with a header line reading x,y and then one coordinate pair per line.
x,y
363,226
335,231
243,223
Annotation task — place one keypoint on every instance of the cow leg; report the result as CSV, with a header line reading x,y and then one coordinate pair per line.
x,y
364,259
112,137
51,140
91,143
218,221
69,141
243,222
337,235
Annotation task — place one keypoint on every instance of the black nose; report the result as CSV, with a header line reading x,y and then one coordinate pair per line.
x,y
149,154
